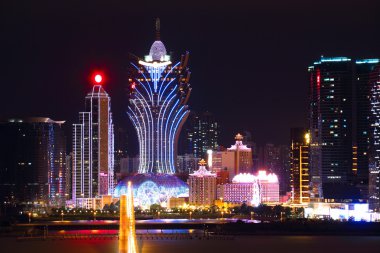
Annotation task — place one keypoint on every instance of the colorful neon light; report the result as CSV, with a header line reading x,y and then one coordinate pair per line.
x,y
157,110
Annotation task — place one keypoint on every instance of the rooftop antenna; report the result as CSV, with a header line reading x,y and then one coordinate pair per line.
x,y
157,28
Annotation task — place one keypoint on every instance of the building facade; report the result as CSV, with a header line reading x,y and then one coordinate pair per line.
x,y
243,189
269,187
32,162
93,149
202,186
236,159
299,166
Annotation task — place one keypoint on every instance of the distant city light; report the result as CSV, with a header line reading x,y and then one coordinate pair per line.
x,y
98,78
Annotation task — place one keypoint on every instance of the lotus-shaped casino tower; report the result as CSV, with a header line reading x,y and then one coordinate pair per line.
x,y
158,107
159,91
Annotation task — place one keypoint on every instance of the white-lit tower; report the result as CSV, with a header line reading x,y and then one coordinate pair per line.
x,y
93,146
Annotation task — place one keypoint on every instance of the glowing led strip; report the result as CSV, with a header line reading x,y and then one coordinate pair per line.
x,y
166,127
171,140
160,127
139,136
143,158
151,125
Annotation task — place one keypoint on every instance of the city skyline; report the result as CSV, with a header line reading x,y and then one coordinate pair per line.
x,y
165,126
34,66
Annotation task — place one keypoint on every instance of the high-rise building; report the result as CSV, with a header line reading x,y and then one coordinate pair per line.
x,y
363,120
374,150
93,149
158,107
201,134
236,159
202,186
299,166
331,112
32,161
340,112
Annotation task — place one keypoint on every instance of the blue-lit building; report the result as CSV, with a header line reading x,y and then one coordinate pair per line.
x,y
158,107
159,91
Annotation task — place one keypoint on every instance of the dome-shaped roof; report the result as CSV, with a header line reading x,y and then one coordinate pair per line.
x,y
157,51
151,189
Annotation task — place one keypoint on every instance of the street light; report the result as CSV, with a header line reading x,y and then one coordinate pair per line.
x,y
158,214
190,214
222,214
30,215
62,216
252,213
94,215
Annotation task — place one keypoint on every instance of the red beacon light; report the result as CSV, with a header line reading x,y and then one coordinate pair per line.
x,y
98,78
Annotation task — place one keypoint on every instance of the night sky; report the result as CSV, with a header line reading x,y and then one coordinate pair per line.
x,y
248,58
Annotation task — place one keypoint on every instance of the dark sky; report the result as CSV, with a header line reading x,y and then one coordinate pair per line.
x,y
248,58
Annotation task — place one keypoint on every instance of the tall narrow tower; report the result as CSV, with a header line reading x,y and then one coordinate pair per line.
x,y
158,106
93,147
299,166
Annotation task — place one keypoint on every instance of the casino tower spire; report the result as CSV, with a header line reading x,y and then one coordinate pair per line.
x,y
158,29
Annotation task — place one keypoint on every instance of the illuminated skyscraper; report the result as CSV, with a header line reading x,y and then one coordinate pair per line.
x,y
32,161
299,166
331,86
340,127
93,157
158,106
363,119
374,150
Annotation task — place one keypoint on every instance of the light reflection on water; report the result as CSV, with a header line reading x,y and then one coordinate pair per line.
x,y
254,244
115,232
